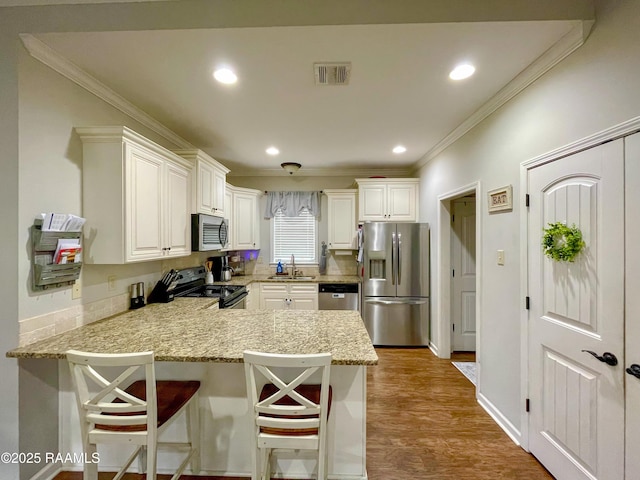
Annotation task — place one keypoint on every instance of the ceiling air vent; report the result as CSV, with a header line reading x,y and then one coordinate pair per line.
x,y
337,73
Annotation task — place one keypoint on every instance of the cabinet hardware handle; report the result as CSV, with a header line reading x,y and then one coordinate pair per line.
x,y
607,357
634,369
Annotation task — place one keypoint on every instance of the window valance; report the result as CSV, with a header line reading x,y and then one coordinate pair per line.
x,y
292,203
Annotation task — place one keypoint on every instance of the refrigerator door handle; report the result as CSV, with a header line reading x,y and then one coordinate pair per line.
x,y
393,258
399,258
396,302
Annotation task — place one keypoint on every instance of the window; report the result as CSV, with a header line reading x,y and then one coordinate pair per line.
x,y
294,236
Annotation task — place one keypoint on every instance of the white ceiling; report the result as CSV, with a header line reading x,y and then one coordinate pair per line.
x,y
399,92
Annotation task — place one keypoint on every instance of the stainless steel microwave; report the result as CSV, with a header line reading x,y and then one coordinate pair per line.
x,y
208,232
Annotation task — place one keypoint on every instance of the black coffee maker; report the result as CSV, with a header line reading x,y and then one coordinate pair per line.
x,y
220,264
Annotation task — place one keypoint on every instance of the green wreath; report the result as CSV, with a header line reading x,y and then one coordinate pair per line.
x,y
562,243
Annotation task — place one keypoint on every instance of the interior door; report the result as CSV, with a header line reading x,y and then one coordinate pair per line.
x,y
576,423
463,280
632,299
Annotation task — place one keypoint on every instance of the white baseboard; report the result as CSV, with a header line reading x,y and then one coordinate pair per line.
x,y
48,472
504,423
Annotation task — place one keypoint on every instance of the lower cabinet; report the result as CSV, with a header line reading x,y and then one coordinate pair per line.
x,y
288,296
252,301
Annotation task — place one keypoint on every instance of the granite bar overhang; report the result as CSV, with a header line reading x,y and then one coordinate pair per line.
x,y
188,330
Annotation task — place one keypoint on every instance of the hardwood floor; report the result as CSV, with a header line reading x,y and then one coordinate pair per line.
x,y
423,422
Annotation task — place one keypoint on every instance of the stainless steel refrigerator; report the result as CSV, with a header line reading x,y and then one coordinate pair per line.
x,y
395,284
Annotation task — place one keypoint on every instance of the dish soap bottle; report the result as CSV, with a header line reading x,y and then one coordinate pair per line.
x,y
279,267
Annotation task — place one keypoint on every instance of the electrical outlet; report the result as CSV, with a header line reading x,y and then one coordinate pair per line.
x,y
76,290
111,283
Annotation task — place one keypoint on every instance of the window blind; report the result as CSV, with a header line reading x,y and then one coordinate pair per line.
x,y
294,236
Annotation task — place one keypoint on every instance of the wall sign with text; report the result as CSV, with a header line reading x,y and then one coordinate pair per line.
x,y
501,199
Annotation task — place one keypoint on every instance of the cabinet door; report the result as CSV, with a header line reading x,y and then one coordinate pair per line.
x,y
373,202
178,233
228,213
219,189
205,189
304,303
144,179
401,201
342,221
304,296
274,303
245,221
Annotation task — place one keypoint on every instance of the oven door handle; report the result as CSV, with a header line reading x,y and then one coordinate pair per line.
x,y
237,300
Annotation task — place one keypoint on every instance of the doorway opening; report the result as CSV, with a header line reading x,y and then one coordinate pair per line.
x,y
463,274
459,238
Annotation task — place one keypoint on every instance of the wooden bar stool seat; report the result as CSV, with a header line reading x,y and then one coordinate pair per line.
x,y
286,412
111,412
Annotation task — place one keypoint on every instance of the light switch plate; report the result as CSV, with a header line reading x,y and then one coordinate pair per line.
x,y
500,257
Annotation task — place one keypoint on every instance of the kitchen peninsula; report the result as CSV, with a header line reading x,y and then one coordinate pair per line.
x,y
191,340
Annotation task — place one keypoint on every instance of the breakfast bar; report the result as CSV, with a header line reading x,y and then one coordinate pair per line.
x,y
192,339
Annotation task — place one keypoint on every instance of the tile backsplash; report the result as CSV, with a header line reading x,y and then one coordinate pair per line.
x,y
44,326
336,265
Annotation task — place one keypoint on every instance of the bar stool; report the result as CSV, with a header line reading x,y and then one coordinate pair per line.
x,y
134,415
287,414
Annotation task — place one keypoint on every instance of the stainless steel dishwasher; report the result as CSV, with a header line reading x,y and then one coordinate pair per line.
x,y
338,296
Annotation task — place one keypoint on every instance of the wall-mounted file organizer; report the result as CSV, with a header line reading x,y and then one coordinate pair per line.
x,y
45,272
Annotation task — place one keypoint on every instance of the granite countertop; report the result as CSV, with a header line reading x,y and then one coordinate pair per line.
x,y
187,330
248,279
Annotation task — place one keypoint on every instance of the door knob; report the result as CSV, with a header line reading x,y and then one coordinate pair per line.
x,y
608,358
634,369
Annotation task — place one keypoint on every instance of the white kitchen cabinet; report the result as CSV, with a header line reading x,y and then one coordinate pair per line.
x,y
289,296
245,226
209,183
389,199
341,217
228,211
252,301
136,198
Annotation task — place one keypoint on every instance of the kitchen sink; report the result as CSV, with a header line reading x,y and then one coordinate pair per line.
x,y
297,278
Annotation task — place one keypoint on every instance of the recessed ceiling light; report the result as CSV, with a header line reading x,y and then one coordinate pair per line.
x,y
272,151
224,75
462,71
399,149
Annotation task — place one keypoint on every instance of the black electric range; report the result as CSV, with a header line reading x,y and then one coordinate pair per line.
x,y
191,283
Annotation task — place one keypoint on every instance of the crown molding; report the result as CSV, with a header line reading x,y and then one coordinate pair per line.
x,y
573,40
68,69
241,171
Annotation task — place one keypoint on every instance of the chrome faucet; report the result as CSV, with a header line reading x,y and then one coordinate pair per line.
x,y
293,266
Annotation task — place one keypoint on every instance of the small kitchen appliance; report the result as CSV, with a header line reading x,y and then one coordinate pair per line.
x,y
221,269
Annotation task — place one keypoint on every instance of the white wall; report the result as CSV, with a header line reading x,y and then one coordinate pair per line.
x,y
51,178
593,89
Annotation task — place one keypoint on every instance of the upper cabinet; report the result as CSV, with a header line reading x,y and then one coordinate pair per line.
x,y
209,182
136,198
228,210
388,199
245,218
341,218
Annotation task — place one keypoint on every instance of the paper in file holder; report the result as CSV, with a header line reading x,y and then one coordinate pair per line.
x,y
45,272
